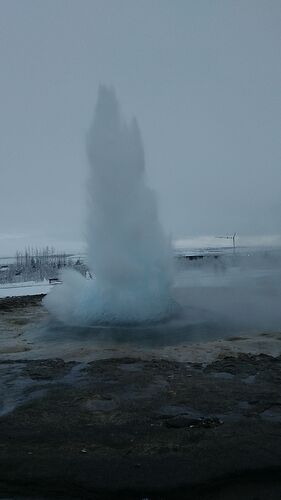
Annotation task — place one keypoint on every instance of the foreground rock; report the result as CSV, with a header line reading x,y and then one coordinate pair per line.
x,y
137,428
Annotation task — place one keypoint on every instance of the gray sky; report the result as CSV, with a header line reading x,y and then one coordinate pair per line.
x,y
203,77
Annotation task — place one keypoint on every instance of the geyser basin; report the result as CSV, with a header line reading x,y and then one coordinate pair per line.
x,y
230,303
128,253
236,294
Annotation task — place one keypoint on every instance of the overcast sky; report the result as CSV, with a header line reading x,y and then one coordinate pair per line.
x,y
203,78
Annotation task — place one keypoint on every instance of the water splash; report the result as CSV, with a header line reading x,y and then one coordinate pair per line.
x,y
128,253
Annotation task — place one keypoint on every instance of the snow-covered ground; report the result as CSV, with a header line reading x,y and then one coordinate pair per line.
x,y
25,288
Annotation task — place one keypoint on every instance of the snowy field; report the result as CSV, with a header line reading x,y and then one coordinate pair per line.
x,y
25,288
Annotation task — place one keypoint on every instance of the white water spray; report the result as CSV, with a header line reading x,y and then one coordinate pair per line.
x,y
128,253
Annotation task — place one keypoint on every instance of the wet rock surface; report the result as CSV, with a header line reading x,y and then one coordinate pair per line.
x,y
9,303
141,428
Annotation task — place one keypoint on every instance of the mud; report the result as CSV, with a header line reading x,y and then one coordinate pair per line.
x,y
9,303
141,428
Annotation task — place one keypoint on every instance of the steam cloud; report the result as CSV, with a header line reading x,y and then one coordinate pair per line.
x,y
128,253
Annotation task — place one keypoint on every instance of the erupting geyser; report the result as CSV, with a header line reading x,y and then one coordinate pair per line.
x,y
128,253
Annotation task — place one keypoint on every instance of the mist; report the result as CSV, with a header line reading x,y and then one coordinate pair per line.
x,y
239,293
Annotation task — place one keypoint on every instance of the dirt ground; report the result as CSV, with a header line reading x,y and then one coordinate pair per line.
x,y
137,428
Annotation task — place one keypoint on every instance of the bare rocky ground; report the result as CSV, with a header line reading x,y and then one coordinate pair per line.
x,y
133,428
137,427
